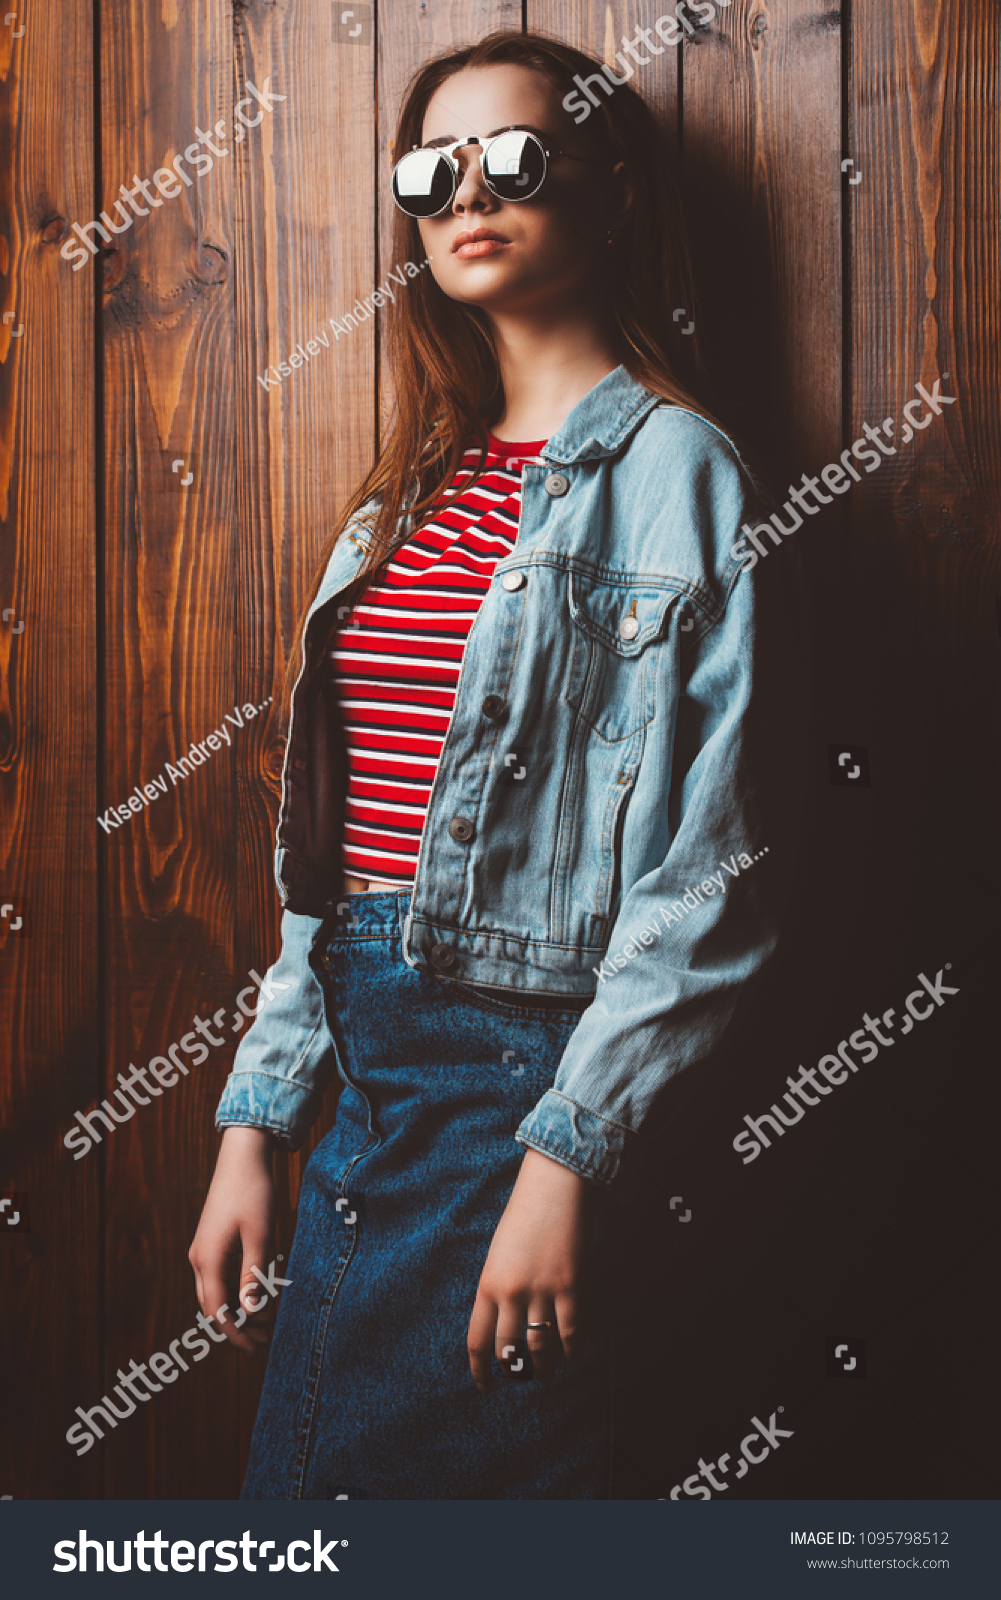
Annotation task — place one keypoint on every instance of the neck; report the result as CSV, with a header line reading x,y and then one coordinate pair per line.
x,y
547,364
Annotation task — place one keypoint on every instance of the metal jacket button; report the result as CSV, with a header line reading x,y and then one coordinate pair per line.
x,y
492,706
443,956
461,828
512,580
556,484
629,628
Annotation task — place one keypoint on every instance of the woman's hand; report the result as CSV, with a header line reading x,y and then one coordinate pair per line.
x,y
236,1234
531,1272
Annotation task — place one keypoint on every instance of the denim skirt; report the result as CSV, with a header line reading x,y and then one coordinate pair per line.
x,y
368,1392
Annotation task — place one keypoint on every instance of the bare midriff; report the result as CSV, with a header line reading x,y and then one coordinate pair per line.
x,y
368,886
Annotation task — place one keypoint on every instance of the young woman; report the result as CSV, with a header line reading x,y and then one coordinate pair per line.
x,y
538,702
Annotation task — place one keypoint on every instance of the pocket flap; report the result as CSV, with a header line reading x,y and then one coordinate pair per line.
x,y
624,615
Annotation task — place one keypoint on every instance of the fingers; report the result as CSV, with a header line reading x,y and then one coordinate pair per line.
x,y
480,1341
509,1340
255,1304
249,1324
566,1319
196,1269
229,1292
522,1353
215,1297
543,1342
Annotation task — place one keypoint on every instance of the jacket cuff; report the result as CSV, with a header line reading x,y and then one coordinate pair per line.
x,y
257,1100
580,1139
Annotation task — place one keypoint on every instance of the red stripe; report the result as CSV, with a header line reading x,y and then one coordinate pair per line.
x,y
396,660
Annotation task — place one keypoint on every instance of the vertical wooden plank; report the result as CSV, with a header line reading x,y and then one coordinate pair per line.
x,y
599,30
304,255
927,297
762,159
762,138
165,72
48,740
762,142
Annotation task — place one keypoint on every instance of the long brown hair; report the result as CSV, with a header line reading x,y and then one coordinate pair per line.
x,y
441,354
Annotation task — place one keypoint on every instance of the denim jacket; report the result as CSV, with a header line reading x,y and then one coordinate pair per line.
x,y
616,809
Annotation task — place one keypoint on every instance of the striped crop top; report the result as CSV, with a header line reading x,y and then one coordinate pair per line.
x,y
396,659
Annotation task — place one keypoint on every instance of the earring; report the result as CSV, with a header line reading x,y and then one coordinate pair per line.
x,y
609,238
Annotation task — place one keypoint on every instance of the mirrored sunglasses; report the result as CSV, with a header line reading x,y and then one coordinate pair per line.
x,y
514,164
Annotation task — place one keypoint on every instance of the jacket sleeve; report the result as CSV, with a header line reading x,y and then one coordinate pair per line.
x,y
287,1059
692,934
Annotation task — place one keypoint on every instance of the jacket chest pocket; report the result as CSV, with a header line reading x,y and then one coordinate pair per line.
x,y
615,627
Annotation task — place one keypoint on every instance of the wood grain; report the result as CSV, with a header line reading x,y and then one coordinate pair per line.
x,y
49,970
762,141
598,29
304,256
169,595
926,302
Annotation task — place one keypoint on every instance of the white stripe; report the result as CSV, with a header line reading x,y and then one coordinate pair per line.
x,y
384,855
405,757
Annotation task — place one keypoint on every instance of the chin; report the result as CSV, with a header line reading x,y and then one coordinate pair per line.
x,y
482,286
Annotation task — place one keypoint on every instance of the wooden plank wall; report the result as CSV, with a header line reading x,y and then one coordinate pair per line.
x,y
152,608
51,968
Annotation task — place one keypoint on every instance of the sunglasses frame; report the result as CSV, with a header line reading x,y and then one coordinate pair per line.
x,y
548,151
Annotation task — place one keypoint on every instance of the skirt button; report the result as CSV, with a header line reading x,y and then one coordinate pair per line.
x,y
444,956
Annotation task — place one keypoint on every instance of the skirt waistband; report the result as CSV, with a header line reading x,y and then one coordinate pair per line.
x,y
369,914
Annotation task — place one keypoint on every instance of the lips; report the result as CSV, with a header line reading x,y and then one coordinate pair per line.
x,y
471,244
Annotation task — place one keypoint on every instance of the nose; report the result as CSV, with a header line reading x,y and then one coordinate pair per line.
x,y
472,193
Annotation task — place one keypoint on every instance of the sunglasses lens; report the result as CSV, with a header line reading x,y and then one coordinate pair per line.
x,y
514,165
422,183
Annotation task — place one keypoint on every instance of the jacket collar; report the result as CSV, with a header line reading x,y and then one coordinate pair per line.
x,y
599,425
603,420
